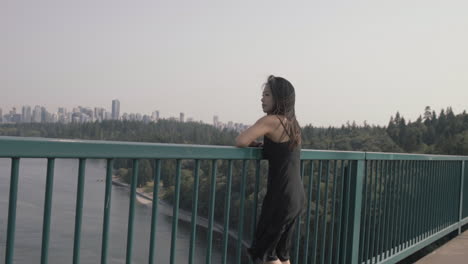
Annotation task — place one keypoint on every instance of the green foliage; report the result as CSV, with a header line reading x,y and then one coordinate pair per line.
x,y
443,134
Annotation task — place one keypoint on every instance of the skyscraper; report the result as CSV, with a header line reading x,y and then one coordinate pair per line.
x,y
108,115
215,120
62,115
37,114
1,116
26,114
13,116
181,117
155,116
99,113
44,115
115,109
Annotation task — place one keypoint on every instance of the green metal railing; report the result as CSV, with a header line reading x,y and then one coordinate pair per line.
x,y
361,207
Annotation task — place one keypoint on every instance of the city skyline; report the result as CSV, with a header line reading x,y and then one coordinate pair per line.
x,y
156,114
82,114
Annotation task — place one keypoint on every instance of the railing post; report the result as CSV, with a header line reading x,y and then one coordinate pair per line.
x,y
79,210
131,211
47,210
462,184
357,180
107,206
10,242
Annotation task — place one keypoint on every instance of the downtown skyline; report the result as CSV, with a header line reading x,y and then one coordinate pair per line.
x,y
81,114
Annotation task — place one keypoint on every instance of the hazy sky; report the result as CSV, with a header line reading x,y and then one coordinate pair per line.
x,y
348,60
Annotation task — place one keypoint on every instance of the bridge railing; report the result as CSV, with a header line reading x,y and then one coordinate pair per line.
x,y
361,207
409,201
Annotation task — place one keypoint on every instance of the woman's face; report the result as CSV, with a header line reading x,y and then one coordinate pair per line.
x,y
267,100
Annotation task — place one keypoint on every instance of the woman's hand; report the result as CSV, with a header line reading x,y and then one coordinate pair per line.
x,y
256,144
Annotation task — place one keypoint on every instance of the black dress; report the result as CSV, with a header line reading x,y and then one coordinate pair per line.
x,y
282,205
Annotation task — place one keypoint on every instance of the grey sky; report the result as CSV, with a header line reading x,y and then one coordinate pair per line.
x,y
348,60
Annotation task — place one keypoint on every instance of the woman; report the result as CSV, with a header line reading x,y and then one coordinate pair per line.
x,y
284,200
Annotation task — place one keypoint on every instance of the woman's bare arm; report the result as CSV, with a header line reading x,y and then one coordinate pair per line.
x,y
262,127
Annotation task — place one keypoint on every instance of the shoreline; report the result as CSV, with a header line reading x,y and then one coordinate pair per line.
x,y
184,215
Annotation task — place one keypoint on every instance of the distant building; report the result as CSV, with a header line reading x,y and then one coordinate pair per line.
x,y
99,113
115,109
215,121
139,117
146,119
108,116
37,114
26,114
62,110
88,114
155,116
1,116
76,117
181,117
62,116
45,116
54,118
13,117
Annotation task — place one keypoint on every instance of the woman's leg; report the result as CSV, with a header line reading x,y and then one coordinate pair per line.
x,y
284,244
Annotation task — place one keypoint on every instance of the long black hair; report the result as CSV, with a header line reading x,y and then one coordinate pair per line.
x,y
284,98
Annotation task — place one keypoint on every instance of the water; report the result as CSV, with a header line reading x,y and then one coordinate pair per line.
x,y
29,218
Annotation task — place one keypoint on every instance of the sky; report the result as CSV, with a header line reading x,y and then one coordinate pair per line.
x,y
348,60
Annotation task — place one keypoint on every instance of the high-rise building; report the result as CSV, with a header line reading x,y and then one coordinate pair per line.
x,y
54,118
99,113
115,109
37,114
44,115
62,116
146,119
13,117
1,116
181,117
155,116
107,115
62,110
88,113
215,121
138,117
26,114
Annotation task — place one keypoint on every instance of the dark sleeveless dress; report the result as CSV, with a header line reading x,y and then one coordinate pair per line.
x,y
282,205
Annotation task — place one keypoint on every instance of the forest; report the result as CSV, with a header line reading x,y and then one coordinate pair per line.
x,y
431,133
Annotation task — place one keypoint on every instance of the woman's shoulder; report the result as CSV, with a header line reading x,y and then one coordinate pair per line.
x,y
272,119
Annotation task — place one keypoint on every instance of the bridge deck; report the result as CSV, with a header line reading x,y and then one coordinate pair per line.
x,y
454,252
